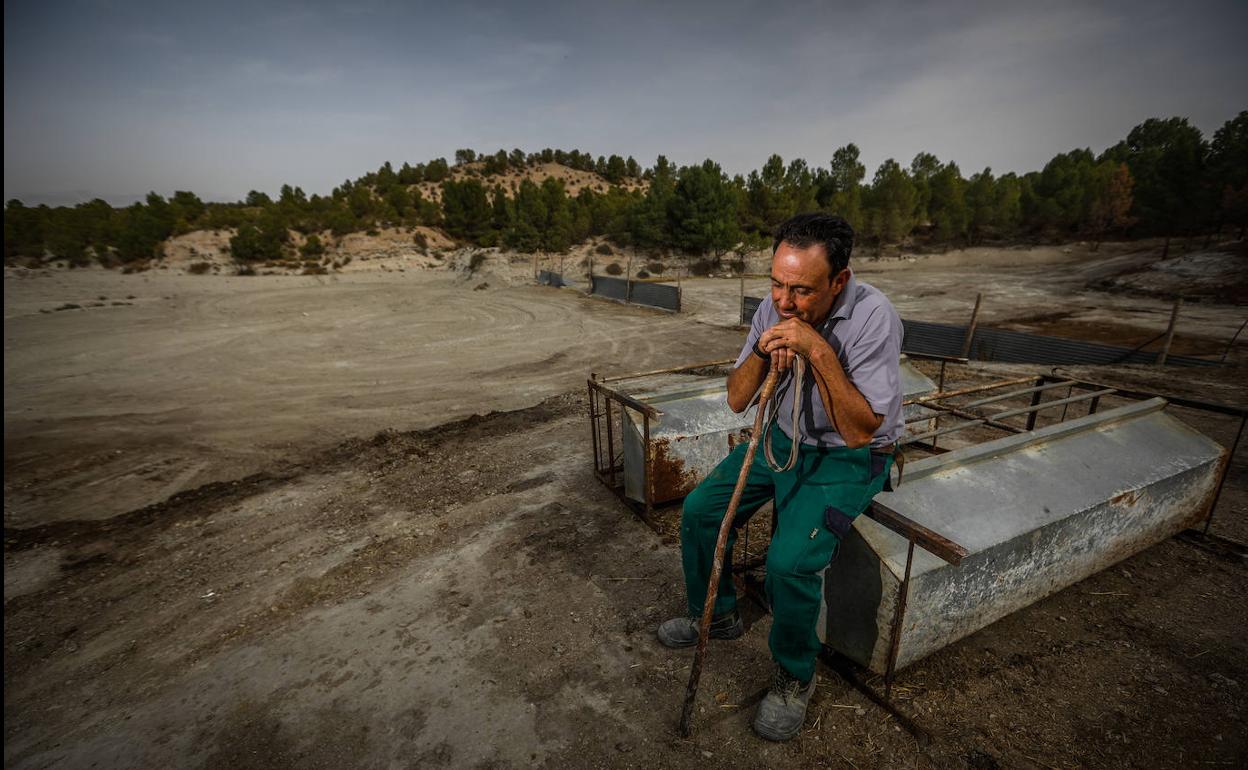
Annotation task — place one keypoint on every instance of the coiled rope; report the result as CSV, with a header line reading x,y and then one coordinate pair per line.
x,y
796,381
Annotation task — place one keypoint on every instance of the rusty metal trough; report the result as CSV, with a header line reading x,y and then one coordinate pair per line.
x,y
669,450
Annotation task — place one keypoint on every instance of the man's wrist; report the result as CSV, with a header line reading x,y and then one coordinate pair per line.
x,y
760,352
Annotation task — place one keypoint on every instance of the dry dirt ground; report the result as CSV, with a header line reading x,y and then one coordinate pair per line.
x,y
350,521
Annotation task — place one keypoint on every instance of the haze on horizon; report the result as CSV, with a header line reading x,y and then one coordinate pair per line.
x,y
111,100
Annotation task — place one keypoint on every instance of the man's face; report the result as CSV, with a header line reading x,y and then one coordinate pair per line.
x,y
801,282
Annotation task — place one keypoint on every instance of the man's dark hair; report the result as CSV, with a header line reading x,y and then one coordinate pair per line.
x,y
806,230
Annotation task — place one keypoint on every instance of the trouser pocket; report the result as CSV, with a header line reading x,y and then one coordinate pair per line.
x,y
837,521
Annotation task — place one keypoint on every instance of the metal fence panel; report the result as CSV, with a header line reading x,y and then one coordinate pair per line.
x,y
606,286
925,337
658,295
749,306
548,278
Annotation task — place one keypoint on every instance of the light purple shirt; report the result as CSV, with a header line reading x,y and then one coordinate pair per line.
x,y
865,331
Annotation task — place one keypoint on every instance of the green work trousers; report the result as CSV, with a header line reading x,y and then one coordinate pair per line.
x,y
814,502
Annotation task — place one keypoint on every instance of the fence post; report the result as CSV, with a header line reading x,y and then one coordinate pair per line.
x,y
970,330
1174,318
741,301
628,281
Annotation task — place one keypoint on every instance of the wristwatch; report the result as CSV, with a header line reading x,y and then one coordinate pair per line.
x,y
759,352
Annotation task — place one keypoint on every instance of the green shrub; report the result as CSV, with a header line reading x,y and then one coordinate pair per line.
x,y
199,268
614,269
312,247
655,267
604,249
476,262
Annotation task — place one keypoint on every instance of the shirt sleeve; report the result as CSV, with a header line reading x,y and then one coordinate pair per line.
x,y
757,327
872,363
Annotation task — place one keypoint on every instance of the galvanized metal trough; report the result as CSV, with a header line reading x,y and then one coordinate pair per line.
x,y
971,534
669,451
1035,512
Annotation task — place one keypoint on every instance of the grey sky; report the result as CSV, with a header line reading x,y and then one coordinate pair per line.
x,y
114,99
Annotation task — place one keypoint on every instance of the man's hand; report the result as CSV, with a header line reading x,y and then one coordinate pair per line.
x,y
788,338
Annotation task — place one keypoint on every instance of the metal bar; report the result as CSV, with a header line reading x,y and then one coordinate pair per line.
x,y
1035,402
922,417
1049,404
610,443
941,432
628,281
1231,344
972,416
1137,349
671,370
1222,476
942,394
749,563
593,425
1093,405
1016,393
1190,403
654,279
934,542
632,403
648,464
928,447
848,671
903,591
1069,391
741,301
1224,547
1174,319
970,329
935,357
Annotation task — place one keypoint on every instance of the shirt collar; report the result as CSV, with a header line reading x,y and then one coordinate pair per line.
x,y
843,307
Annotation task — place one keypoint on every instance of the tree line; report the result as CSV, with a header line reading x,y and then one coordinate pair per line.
x,y
1163,179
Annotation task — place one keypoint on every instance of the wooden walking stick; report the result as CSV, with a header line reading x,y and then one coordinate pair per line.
x,y
721,544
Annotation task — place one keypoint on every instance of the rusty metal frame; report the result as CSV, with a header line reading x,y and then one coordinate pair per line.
x,y
934,543
1038,385
606,469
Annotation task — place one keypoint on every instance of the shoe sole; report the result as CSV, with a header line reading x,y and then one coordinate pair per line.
x,y
678,645
778,737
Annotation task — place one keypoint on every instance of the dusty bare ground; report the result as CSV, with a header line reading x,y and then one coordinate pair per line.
x,y
465,593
